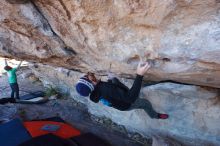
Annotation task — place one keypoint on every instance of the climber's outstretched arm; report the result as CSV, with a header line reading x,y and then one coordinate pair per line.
x,y
19,65
6,63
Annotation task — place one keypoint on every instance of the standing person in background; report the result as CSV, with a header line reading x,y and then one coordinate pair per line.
x,y
12,78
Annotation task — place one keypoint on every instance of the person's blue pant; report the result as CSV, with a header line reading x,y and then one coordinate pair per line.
x,y
14,90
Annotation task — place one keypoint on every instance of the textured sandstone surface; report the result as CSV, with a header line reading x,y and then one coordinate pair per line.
x,y
180,37
194,111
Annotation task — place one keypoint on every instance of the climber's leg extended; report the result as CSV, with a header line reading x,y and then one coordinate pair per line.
x,y
144,104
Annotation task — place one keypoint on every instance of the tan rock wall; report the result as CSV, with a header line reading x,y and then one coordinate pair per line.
x,y
182,37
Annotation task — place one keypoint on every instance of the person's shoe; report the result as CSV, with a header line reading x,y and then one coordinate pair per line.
x,y
163,116
12,100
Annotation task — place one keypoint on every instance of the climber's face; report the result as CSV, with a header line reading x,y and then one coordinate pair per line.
x,y
91,77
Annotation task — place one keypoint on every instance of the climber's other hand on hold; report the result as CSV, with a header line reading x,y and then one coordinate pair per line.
x,y
142,68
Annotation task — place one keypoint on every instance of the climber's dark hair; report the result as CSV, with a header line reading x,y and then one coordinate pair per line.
x,y
7,68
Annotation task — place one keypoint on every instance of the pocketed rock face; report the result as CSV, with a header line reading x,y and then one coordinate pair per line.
x,y
194,111
26,35
181,37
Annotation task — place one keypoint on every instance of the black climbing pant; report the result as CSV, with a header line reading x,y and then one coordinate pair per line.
x,y
144,104
138,103
14,90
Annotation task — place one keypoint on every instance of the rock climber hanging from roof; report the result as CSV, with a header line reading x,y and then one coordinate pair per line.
x,y
115,94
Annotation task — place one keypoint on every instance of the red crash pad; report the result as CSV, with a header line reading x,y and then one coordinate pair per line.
x,y
64,131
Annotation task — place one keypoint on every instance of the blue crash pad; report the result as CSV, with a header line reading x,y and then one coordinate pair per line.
x,y
13,133
32,95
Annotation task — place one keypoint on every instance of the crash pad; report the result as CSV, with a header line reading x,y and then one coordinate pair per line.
x,y
35,128
36,100
13,133
32,95
48,140
90,139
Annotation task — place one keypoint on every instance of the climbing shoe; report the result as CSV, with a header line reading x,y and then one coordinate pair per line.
x,y
163,116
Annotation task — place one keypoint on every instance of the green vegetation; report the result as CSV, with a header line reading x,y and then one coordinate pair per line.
x,y
56,92
51,91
